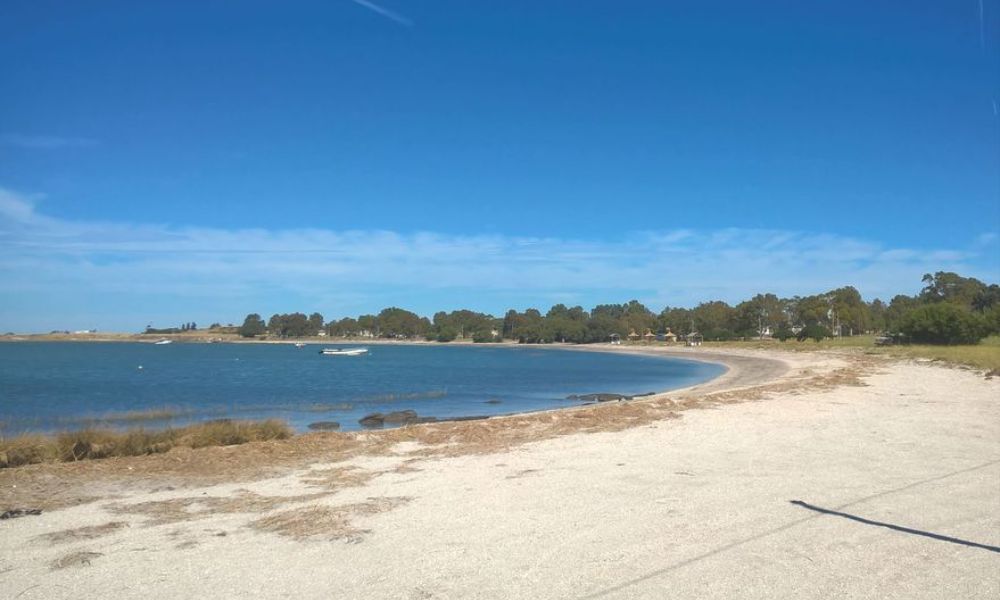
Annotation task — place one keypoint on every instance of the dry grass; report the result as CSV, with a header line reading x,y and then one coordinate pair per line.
x,y
338,478
74,559
984,355
77,534
100,443
326,522
175,510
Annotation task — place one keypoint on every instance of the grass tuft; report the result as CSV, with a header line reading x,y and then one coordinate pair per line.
x,y
984,355
87,444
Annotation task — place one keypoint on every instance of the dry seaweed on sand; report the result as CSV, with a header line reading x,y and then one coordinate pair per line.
x,y
88,532
326,522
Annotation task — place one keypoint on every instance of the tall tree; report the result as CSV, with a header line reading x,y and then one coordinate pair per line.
x,y
315,323
252,326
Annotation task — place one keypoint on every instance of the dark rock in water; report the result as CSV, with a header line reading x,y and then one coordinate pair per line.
x,y
400,416
493,401
372,420
470,418
20,512
324,426
598,397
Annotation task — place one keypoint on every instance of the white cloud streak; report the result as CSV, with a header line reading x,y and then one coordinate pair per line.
x,y
59,261
392,16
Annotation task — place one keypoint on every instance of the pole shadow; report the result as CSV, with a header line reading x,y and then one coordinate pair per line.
x,y
933,536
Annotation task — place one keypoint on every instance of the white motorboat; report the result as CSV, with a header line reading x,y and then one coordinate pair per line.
x,y
163,342
343,351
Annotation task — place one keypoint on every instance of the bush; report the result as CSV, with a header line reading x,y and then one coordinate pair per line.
x,y
719,335
813,332
446,335
784,332
992,319
99,443
483,337
943,323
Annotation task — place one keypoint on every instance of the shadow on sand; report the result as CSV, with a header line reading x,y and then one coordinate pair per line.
x,y
934,536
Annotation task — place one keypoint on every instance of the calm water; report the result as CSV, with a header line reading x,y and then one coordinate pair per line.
x,y
53,386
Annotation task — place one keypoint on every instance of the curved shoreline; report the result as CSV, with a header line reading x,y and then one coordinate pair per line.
x,y
739,370
633,499
743,368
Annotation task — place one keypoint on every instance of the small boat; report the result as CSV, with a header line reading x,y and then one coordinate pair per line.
x,y
163,342
299,344
343,351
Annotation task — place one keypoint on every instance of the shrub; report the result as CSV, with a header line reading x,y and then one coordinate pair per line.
x,y
943,323
26,450
992,319
100,443
813,332
446,335
784,332
719,335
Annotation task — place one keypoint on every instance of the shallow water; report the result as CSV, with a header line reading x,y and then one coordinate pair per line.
x,y
54,386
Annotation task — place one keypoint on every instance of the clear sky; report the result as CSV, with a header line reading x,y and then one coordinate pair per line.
x,y
162,162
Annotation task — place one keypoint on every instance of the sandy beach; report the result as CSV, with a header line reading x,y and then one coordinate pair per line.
x,y
805,475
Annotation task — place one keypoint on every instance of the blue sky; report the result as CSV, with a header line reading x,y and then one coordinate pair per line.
x,y
174,161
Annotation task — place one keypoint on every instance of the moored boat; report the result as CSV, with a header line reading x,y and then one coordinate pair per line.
x,y
343,351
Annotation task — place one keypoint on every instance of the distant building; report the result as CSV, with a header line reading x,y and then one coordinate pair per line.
x,y
615,338
694,338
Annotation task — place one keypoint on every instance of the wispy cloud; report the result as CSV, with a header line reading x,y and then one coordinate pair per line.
x,y
149,270
385,12
44,142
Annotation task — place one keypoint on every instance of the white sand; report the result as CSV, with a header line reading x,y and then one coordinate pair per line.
x,y
693,507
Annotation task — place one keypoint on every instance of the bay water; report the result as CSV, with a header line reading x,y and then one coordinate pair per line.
x,y
55,386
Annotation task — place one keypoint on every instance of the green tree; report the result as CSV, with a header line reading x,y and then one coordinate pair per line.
x,y
943,323
715,320
346,327
252,326
396,322
877,312
898,308
368,324
813,332
315,323
945,286
677,320
850,311
811,310
565,324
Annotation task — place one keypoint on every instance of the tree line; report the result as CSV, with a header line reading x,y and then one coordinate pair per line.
x,y
949,309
